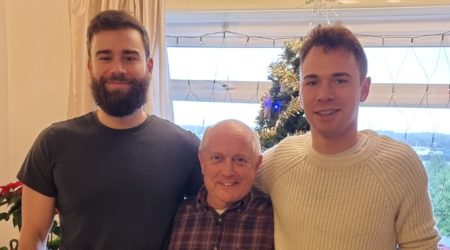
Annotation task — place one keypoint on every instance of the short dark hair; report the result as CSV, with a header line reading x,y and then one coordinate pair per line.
x,y
115,20
334,37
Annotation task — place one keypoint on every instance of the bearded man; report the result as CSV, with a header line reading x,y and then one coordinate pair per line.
x,y
110,173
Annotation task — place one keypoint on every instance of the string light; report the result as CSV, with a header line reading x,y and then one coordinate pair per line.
x,y
248,39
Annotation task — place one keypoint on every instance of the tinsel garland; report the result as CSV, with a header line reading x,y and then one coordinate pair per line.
x,y
281,114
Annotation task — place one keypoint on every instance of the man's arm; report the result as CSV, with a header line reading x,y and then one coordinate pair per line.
x,y
415,223
37,218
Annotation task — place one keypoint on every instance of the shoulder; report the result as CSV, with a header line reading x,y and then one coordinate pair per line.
x,y
279,160
75,125
288,147
156,121
389,147
187,207
395,161
259,206
260,198
86,119
188,202
169,130
284,155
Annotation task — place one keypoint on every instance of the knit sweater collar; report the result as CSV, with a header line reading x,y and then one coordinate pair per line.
x,y
362,151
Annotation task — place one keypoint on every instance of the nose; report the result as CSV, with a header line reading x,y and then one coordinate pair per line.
x,y
228,169
325,92
117,67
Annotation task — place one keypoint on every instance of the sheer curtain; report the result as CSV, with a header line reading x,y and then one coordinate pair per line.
x,y
151,14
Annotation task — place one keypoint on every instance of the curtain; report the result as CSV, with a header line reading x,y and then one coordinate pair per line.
x,y
151,14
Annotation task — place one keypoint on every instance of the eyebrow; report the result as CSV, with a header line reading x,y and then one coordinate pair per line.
x,y
338,74
103,52
311,76
130,52
108,52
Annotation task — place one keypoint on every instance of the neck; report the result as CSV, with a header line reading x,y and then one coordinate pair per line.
x,y
325,145
125,122
220,210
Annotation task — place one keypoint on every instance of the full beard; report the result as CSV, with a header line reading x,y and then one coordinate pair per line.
x,y
120,103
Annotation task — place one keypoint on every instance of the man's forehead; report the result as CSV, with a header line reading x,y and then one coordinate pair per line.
x,y
117,37
124,51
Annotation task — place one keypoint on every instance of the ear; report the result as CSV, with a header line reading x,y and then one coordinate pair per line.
x,y
300,100
258,162
150,65
200,159
365,89
89,65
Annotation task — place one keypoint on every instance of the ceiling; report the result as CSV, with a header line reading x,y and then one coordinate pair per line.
x,y
295,18
242,5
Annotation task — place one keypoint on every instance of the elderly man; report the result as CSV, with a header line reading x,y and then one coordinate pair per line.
x,y
228,212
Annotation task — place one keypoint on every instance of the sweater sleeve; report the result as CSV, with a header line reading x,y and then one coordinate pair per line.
x,y
406,183
415,223
265,175
279,160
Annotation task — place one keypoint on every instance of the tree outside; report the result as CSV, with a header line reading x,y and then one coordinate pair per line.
x,y
439,185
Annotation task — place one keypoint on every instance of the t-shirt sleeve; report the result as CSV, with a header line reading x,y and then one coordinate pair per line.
x,y
36,170
196,179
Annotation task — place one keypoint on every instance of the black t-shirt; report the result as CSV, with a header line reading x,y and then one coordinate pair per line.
x,y
114,189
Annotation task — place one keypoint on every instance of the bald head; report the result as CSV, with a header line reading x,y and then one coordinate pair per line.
x,y
230,155
230,127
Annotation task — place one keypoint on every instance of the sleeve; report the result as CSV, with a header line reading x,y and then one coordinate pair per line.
x,y
415,224
265,174
196,177
36,170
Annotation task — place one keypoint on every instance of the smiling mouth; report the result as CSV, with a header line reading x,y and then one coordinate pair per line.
x,y
327,112
228,184
118,82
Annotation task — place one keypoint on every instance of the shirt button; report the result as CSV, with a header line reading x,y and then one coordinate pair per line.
x,y
219,220
215,248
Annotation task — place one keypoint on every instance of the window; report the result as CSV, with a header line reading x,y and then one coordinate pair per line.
x,y
196,116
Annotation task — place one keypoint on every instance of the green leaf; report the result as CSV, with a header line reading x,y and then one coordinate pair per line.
x,y
16,221
4,216
54,244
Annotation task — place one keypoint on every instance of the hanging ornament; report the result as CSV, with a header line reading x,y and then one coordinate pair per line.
x,y
276,107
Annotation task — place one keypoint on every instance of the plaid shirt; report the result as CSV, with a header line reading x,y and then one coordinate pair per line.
x,y
247,224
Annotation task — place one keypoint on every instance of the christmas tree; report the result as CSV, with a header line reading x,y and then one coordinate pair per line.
x,y
280,114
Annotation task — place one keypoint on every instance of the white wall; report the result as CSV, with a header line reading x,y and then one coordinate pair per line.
x,y
3,96
6,230
35,77
39,67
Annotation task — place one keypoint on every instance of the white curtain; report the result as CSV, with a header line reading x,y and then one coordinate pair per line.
x,y
151,14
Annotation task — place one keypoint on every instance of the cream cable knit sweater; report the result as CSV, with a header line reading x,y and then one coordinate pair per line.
x,y
369,197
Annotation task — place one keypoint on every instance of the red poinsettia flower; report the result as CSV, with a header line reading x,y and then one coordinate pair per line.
x,y
10,204
11,187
